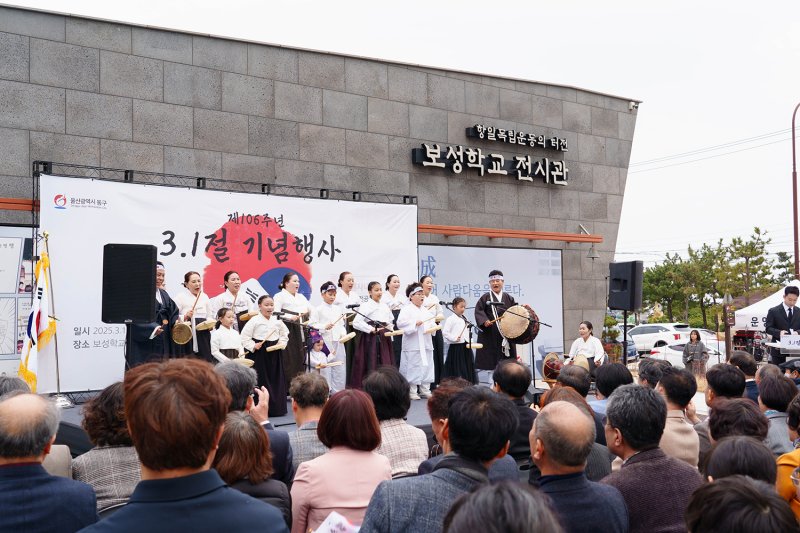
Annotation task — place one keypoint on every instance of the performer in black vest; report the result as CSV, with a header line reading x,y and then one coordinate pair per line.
x,y
495,346
152,341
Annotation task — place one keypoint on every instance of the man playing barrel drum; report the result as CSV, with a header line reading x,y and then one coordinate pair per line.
x,y
497,342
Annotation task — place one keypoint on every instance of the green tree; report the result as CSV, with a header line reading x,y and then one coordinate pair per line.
x,y
750,267
784,268
662,284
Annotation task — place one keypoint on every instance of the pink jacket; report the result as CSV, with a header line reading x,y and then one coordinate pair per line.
x,y
341,480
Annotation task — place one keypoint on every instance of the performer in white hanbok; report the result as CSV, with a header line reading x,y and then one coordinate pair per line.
x,y
395,299
329,319
194,306
226,343
374,348
291,299
261,332
416,363
233,299
460,362
346,296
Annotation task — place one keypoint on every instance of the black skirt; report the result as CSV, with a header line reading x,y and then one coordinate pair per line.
x,y
203,343
269,368
367,358
460,363
350,351
397,341
294,355
438,356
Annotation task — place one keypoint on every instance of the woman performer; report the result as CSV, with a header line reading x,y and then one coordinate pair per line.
x,y
328,318
695,355
226,343
195,307
416,363
431,303
374,348
345,296
394,298
460,360
295,307
233,299
261,332
589,346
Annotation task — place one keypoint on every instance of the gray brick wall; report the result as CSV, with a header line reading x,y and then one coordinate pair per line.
x,y
99,93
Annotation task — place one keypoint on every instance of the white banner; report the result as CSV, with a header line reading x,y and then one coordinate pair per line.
x,y
532,277
211,232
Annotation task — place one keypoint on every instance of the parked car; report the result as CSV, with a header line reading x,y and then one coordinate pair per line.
x,y
649,336
674,354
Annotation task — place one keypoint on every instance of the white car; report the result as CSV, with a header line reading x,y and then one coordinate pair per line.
x,y
649,336
674,354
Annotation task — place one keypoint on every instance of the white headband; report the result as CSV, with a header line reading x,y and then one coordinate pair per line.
x,y
414,291
160,267
496,276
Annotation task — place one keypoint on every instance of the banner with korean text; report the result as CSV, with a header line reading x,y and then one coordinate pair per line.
x,y
211,232
531,277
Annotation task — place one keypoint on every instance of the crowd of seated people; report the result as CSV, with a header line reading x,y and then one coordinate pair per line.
x,y
182,445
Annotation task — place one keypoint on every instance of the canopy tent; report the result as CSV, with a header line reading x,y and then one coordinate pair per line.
x,y
753,316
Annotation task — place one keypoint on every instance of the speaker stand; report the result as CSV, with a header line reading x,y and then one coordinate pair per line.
x,y
625,337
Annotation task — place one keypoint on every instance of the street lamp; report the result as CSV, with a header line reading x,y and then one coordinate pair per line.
x,y
794,199
727,313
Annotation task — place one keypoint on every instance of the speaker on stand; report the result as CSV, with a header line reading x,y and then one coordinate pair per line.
x,y
129,286
625,294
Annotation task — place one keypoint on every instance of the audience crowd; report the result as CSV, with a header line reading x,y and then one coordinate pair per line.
x,y
182,445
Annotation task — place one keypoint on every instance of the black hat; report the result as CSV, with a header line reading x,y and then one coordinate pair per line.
x,y
793,364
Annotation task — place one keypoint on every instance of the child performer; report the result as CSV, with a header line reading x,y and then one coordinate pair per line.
x,y
374,348
226,344
416,364
261,332
328,318
460,361
318,358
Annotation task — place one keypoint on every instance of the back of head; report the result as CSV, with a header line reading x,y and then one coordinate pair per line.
x,y
11,384
566,432
740,455
240,382
569,395
174,411
503,507
348,419
793,414
309,390
611,376
576,377
512,378
737,416
739,504
649,372
767,371
480,423
439,401
639,413
727,381
388,389
744,362
679,386
243,451
776,392
104,417
27,424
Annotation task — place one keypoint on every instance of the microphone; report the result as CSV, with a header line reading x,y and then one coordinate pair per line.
x,y
352,306
278,314
287,312
495,303
444,303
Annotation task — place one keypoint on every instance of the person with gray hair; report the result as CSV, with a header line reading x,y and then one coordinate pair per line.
x,y
34,500
635,420
309,394
561,439
11,384
241,382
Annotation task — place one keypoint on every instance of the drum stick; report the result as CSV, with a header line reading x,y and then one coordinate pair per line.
x,y
462,330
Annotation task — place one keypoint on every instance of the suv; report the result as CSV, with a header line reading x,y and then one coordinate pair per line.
x,y
648,336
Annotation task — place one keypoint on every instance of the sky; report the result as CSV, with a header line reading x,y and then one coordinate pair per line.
x,y
718,81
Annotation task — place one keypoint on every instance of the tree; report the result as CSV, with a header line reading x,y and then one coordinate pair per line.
x,y
784,268
662,284
750,266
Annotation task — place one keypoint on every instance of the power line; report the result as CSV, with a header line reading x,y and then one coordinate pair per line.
x,y
708,157
710,148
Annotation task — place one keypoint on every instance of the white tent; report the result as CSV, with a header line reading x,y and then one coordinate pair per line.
x,y
753,316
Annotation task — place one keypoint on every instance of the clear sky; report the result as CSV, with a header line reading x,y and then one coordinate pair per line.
x,y
710,73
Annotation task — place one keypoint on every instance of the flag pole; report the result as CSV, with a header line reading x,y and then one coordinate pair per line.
x,y
60,399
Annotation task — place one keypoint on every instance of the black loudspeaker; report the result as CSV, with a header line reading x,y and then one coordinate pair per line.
x,y
129,283
625,286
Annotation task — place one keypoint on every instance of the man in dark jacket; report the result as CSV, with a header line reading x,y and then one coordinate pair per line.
x,y
512,379
635,420
783,319
561,440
